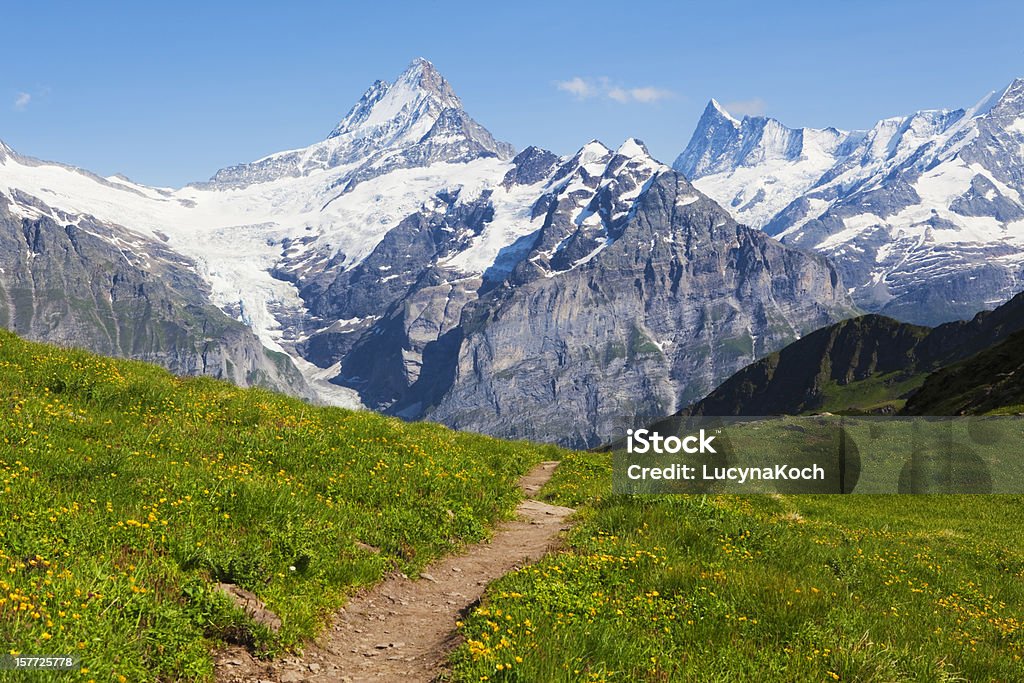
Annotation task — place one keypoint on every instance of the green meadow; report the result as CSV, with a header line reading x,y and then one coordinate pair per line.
x,y
126,493
759,588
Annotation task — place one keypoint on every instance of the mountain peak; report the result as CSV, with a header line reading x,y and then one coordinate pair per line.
x,y
633,147
716,131
415,121
1012,95
423,75
716,110
592,151
420,93
1015,88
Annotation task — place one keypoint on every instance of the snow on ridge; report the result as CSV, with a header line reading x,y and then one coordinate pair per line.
x,y
595,150
725,114
632,147
756,188
235,234
385,103
513,207
413,122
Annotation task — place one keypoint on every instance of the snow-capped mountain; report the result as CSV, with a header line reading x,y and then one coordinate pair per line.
x,y
254,229
923,214
408,263
72,279
756,166
412,123
631,298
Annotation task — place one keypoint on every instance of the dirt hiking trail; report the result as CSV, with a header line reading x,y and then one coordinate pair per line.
x,y
403,630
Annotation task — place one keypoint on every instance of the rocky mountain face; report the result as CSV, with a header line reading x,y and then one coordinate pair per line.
x,y
652,320
627,293
409,263
877,364
73,280
923,214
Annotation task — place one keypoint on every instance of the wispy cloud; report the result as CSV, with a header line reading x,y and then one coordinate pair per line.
x,y
577,87
755,106
587,88
22,100
649,94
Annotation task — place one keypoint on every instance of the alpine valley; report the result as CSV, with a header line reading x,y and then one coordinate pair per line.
x,y
413,264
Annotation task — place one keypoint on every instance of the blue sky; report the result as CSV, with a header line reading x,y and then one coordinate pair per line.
x,y
167,93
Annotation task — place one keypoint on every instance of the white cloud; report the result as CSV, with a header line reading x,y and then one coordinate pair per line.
x,y
586,88
649,94
618,94
577,87
22,100
752,107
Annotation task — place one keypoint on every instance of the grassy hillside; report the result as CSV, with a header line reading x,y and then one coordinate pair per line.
x,y
126,492
991,381
862,363
760,588
866,365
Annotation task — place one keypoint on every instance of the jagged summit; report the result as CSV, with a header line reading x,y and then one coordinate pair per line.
x,y
722,142
419,93
5,151
715,109
416,121
924,212
422,74
1010,96
593,150
1006,102
633,147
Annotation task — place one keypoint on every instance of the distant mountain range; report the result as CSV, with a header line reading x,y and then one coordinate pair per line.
x,y
410,263
922,214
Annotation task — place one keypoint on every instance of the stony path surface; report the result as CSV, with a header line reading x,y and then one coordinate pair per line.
x,y
403,630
